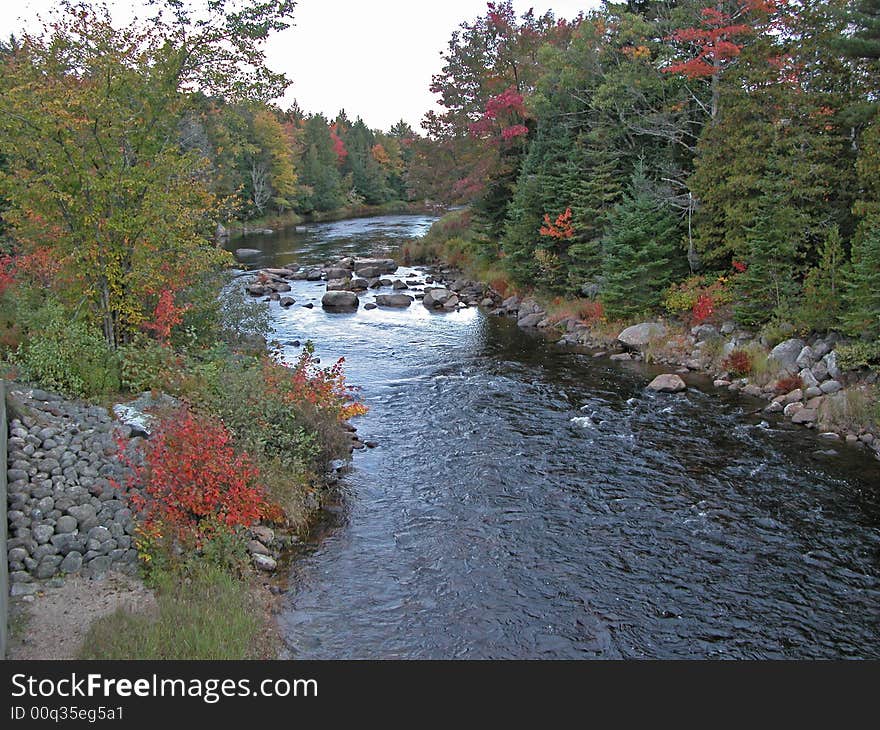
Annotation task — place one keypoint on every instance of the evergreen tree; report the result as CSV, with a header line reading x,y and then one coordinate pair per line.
x,y
639,252
862,316
820,308
322,189
769,282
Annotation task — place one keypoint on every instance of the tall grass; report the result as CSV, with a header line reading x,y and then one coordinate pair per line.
x,y
208,614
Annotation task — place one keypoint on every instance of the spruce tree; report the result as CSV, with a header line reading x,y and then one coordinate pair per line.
x,y
820,308
862,297
769,282
639,252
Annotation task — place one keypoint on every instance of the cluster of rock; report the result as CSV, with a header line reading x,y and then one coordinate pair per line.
x,y
64,514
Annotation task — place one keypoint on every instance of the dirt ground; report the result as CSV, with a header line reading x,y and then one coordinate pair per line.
x,y
54,624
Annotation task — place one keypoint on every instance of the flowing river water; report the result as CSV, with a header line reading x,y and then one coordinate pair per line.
x,y
525,501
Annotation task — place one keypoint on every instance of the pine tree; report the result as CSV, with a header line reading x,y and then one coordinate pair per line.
x,y
639,252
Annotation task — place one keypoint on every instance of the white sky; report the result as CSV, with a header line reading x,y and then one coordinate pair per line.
x,y
374,58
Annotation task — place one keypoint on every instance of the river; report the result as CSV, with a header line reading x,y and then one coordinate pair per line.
x,y
530,502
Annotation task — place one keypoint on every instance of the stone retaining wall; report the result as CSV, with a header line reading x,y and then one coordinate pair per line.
x,y
64,516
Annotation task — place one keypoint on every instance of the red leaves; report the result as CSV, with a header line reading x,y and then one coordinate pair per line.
x,y
192,479
739,266
166,316
508,105
561,228
703,308
714,43
738,362
338,145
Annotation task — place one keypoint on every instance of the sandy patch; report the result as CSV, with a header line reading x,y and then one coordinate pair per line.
x,y
57,620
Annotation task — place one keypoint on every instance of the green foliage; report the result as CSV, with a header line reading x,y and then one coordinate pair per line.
x,y
639,251
821,304
863,283
856,355
67,355
148,365
769,283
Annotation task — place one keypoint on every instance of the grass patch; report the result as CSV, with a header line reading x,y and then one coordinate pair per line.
x,y
205,614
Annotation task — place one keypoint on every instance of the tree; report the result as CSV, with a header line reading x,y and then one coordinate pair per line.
x,y
823,286
90,113
321,183
767,286
862,298
639,252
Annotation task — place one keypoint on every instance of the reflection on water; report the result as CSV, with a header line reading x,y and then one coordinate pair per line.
x,y
529,502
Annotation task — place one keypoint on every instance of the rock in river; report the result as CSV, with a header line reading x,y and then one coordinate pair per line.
x,y
340,301
667,383
393,300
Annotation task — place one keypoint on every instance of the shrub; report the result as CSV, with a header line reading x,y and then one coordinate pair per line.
x,y
191,483
67,355
148,365
856,355
789,383
698,295
290,412
738,362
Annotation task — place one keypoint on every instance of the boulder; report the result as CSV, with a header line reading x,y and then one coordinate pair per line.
x,y
804,416
530,320
247,253
340,301
264,562
830,362
358,283
786,354
808,379
639,335
704,332
667,383
287,301
393,300
337,273
338,285
435,298
830,386
397,285
379,266
140,413
806,358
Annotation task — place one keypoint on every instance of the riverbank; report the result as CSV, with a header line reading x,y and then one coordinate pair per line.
x,y
805,380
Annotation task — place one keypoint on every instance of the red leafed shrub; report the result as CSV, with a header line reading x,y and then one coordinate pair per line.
x,y
788,384
738,362
703,308
191,481
305,381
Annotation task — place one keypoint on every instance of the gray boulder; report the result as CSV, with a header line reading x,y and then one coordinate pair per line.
x,y
393,300
786,354
340,301
806,358
830,362
435,298
639,335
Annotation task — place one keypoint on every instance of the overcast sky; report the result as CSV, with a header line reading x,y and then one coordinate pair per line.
x,y
374,58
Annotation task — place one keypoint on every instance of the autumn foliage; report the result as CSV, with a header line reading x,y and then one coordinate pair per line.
x,y
191,480
561,228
